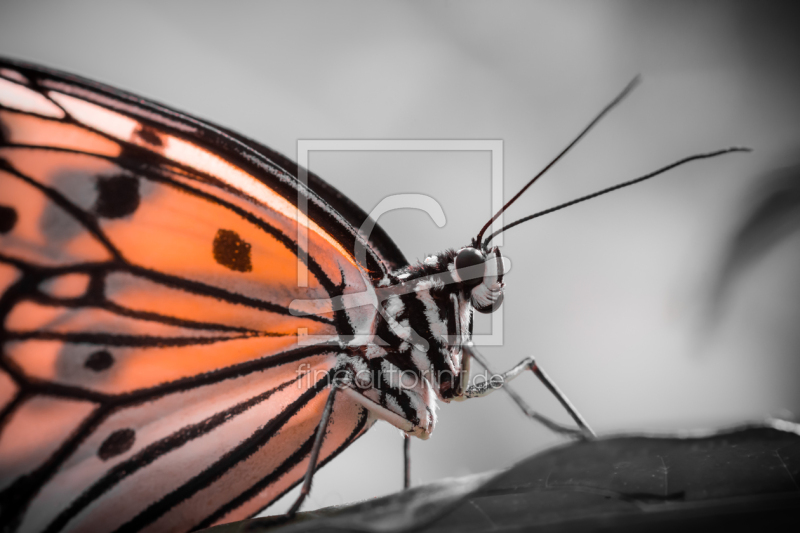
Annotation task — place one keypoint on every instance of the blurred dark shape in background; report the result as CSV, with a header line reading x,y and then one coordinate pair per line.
x,y
774,216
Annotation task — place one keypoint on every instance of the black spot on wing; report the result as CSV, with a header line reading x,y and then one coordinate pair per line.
x,y
118,442
158,449
99,361
231,251
149,136
226,462
8,218
117,196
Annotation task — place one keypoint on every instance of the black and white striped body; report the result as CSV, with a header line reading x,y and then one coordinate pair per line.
x,y
414,355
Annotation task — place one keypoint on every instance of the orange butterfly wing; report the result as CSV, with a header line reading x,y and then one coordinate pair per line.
x,y
152,375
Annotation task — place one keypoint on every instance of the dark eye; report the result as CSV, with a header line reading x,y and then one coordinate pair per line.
x,y
470,267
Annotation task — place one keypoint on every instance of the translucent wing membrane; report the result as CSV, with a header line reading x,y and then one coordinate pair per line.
x,y
151,374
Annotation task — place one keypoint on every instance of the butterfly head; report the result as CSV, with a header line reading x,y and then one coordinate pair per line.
x,y
480,274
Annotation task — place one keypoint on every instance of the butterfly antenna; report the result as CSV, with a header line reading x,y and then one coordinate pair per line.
x,y
616,187
628,88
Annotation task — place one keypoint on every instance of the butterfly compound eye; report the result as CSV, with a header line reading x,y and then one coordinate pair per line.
x,y
470,267
488,297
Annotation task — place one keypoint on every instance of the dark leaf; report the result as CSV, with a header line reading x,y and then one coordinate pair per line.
x,y
744,478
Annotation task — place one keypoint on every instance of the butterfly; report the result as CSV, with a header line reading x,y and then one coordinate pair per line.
x,y
161,366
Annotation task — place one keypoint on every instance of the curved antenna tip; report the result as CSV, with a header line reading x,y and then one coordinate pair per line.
x,y
636,81
706,155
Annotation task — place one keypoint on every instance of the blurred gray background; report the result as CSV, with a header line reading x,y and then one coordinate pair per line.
x,y
610,295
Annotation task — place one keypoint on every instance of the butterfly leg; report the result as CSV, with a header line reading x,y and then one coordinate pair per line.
x,y
406,462
312,461
501,382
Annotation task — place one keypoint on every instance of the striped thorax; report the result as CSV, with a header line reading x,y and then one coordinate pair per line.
x,y
414,356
